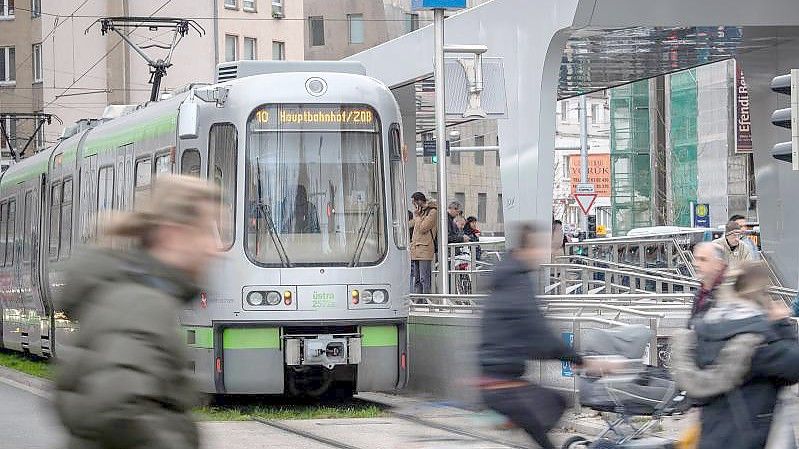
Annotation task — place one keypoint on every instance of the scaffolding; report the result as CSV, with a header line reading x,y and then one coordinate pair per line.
x,y
684,140
631,188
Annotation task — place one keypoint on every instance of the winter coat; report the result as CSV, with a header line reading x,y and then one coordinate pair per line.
x,y
740,254
513,329
424,232
734,363
125,383
454,233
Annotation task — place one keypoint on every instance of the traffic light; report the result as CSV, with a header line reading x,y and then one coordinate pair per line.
x,y
787,118
592,226
435,159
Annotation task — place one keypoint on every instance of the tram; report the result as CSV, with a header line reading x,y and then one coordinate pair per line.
x,y
311,291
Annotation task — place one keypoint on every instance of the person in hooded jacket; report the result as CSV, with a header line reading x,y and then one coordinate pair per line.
x,y
513,331
736,360
124,382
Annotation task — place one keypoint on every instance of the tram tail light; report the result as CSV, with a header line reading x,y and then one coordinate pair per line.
x,y
403,361
219,365
287,297
356,297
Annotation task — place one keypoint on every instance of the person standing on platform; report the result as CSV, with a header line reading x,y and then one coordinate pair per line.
x,y
745,239
734,251
125,383
423,242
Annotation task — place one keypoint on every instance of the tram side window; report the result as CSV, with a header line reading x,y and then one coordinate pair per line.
x,y
222,152
55,218
163,164
190,163
27,223
66,221
398,188
12,234
144,174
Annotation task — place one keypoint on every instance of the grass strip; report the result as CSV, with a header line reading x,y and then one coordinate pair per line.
x,y
27,364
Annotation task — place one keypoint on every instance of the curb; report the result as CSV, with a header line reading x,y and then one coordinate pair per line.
x,y
25,379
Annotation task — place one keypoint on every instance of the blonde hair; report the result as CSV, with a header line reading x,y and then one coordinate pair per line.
x,y
750,281
175,199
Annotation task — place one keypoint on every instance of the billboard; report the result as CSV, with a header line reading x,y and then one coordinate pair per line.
x,y
438,4
598,173
743,119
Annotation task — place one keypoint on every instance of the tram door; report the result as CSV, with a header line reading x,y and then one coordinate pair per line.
x,y
29,264
124,176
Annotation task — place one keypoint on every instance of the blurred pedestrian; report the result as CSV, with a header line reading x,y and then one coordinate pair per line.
x,y
125,384
423,242
737,359
710,268
745,239
734,251
514,331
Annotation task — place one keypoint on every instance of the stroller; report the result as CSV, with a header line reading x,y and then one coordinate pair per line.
x,y
638,391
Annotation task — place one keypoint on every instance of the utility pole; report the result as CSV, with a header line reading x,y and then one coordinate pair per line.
x,y
583,113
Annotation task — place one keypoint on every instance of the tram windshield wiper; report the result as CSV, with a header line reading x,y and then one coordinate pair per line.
x,y
274,235
362,233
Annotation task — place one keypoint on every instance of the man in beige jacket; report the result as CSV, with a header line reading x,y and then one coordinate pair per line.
x,y
423,248
734,250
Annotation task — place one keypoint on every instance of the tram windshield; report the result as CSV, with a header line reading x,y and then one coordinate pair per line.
x,y
314,186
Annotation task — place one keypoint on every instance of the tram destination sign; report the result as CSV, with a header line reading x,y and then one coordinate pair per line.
x,y
288,117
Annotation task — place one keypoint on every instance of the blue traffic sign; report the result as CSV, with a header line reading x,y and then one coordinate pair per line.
x,y
439,4
429,148
701,215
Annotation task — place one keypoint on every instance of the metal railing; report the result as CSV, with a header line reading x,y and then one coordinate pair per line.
x,y
663,254
466,271
576,278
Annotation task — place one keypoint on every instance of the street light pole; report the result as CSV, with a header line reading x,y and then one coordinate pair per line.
x,y
441,151
583,155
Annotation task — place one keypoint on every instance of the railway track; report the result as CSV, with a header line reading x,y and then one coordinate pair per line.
x,y
396,429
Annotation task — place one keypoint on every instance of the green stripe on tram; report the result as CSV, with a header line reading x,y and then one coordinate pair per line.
x,y
251,338
374,336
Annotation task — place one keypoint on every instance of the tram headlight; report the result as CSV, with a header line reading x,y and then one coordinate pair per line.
x,y
273,298
256,298
379,296
366,297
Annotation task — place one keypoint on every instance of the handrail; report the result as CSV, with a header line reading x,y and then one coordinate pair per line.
x,y
623,309
651,271
623,273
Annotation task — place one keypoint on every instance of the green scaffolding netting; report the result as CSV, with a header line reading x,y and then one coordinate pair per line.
x,y
683,137
631,186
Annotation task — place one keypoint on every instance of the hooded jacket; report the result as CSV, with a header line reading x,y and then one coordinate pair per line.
x,y
124,383
734,362
423,232
513,329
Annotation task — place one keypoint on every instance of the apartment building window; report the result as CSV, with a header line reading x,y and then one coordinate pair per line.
x,y
317,31
355,22
564,111
249,5
6,8
8,61
11,132
232,4
37,63
595,118
411,22
277,9
500,211
36,8
39,139
231,47
278,51
479,155
482,200
461,198
250,48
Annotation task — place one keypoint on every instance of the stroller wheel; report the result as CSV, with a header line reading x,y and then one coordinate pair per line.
x,y
604,444
575,442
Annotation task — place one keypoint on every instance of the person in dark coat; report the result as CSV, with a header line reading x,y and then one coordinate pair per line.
x,y
124,383
513,331
734,363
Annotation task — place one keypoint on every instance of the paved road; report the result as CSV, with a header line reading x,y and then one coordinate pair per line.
x,y
26,420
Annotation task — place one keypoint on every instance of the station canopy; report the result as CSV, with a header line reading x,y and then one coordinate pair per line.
x,y
596,59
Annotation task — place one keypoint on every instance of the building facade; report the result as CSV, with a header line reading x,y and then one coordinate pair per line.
x,y
56,68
